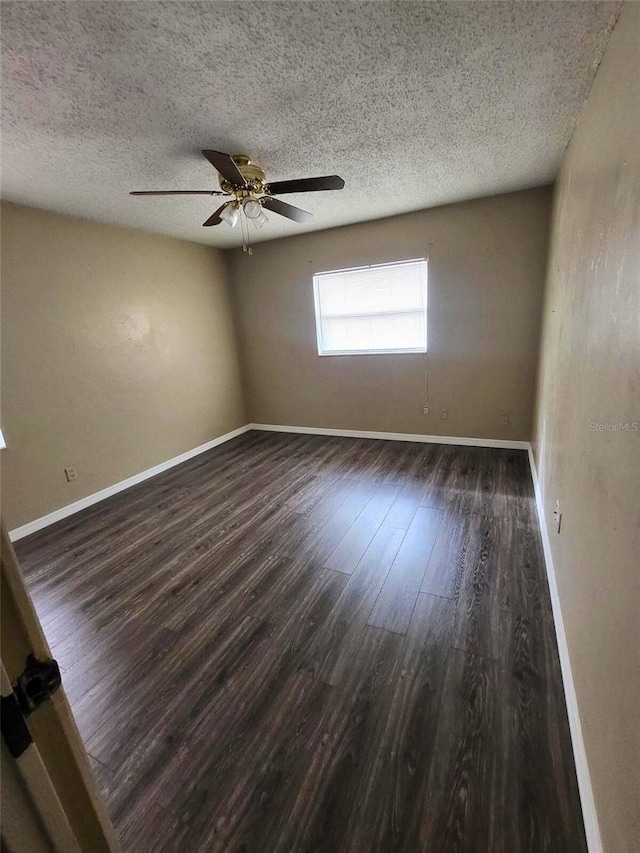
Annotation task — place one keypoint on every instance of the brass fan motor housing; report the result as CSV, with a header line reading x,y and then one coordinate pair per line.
x,y
253,175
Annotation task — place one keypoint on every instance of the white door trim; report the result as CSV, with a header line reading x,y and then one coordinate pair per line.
x,y
42,795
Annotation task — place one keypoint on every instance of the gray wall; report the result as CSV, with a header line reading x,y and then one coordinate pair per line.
x,y
486,276
119,353
590,366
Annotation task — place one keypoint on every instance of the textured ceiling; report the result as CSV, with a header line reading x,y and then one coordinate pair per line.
x,y
415,104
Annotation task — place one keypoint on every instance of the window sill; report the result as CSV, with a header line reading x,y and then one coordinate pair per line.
x,y
373,352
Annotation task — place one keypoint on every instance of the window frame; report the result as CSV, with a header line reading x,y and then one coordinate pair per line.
x,y
397,351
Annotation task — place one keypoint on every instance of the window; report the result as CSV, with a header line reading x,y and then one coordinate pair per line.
x,y
374,309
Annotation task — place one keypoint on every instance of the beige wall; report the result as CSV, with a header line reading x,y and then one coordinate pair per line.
x,y
590,365
118,353
486,276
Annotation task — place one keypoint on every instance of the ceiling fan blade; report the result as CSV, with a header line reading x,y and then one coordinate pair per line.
x,y
215,219
226,165
306,185
176,192
285,209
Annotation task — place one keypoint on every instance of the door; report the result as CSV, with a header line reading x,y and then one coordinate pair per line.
x,y
50,784
32,815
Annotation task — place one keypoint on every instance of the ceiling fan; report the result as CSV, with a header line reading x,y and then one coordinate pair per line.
x,y
248,192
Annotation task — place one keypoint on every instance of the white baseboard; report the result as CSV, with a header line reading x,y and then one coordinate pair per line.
x,y
96,497
396,436
582,770
592,830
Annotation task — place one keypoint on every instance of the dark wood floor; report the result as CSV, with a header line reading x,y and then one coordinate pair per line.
x,y
301,643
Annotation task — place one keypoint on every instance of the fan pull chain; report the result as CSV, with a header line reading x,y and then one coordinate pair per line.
x,y
242,226
246,235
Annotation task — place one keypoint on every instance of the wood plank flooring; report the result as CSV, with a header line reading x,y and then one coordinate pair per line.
x,y
305,643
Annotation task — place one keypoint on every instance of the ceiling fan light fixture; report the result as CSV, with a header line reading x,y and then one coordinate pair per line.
x,y
243,183
230,214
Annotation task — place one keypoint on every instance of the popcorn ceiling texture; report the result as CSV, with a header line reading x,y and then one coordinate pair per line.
x,y
414,104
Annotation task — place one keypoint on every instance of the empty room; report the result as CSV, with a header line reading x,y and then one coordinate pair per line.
x,y
320,404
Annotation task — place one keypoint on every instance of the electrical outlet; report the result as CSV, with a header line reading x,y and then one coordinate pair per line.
x,y
504,420
70,474
557,517
444,414
425,410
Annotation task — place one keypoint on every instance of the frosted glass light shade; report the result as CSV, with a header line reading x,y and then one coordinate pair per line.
x,y
230,215
261,220
252,208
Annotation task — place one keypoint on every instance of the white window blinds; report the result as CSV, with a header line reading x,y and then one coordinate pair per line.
x,y
374,309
